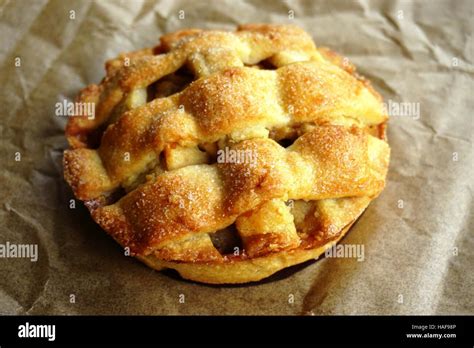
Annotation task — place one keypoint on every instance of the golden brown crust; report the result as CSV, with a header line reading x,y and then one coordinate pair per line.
x,y
157,136
329,162
244,271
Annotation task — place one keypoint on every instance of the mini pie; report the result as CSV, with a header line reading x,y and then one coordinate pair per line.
x,y
162,166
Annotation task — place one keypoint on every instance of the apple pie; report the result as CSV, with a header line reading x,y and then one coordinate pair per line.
x,y
228,156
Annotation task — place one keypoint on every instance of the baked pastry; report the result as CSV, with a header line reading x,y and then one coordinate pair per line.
x,y
228,156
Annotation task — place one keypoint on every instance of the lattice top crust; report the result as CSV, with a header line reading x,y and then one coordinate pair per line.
x,y
153,165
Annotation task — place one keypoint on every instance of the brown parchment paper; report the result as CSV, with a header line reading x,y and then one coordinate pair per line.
x,y
417,236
